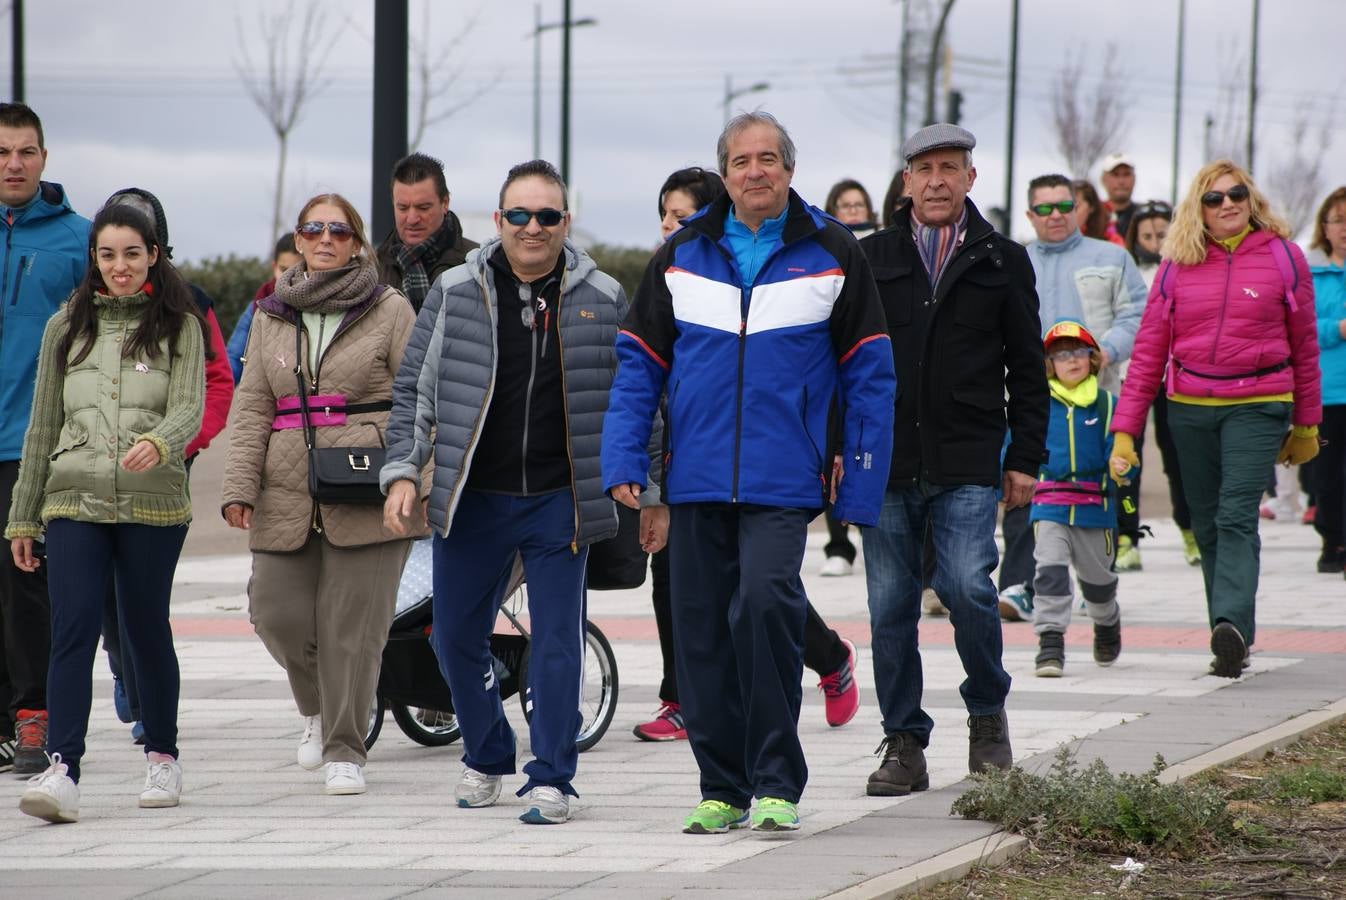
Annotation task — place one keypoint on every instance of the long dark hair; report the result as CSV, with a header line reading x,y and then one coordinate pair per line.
x,y
173,307
1096,226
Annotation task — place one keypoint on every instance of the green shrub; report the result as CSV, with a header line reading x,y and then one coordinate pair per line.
x,y
626,264
231,281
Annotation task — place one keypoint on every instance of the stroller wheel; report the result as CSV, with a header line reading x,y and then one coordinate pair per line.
x,y
375,720
598,703
431,728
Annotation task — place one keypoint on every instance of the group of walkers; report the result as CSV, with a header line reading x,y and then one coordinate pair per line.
x,y
777,360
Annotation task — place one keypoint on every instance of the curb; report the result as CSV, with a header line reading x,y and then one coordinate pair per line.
x,y
999,847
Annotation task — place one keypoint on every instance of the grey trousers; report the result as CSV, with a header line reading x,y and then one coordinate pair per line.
x,y
1090,551
323,613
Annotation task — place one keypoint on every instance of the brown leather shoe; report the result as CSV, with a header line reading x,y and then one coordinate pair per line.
x,y
988,744
903,768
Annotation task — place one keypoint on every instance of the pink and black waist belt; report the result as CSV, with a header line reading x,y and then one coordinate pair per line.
x,y
323,409
1069,493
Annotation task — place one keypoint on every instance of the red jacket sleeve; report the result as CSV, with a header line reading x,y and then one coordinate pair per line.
x,y
219,389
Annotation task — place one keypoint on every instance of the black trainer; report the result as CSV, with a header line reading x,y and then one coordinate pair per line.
x,y
903,768
1332,560
1231,651
1107,643
1051,661
988,743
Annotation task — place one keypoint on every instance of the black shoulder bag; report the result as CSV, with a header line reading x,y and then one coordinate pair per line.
x,y
339,474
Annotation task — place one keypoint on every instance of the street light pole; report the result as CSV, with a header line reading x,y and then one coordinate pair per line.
x,y
565,92
1252,85
16,43
1013,95
536,35
730,94
1177,103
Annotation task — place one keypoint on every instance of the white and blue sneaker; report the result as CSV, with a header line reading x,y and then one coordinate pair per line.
x,y
1016,604
547,805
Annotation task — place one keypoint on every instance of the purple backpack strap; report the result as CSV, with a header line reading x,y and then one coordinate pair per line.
x,y
1280,251
1161,276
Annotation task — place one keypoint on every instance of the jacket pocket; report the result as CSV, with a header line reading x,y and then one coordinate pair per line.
x,y
896,301
71,463
978,298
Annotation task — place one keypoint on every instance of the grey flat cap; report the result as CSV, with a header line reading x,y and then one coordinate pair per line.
x,y
937,137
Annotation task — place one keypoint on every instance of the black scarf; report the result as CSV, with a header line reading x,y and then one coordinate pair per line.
x,y
415,275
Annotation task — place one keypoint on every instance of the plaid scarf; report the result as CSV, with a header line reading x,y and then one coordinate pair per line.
x,y
936,244
415,277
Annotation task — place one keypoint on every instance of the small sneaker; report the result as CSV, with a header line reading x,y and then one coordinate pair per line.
x,y
6,754
547,805
931,605
1051,659
310,745
1107,643
841,695
30,742
1128,555
163,784
1016,604
714,817
1266,511
1330,561
51,795
1310,514
667,725
988,745
1190,551
903,768
836,567
1230,649
345,778
774,814
477,789
120,702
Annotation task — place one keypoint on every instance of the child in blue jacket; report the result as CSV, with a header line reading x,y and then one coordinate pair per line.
x,y
1074,504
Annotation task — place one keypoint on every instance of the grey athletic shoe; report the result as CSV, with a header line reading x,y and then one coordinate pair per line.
x,y
547,805
477,789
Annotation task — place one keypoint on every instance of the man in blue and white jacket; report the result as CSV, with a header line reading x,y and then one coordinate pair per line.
x,y
753,318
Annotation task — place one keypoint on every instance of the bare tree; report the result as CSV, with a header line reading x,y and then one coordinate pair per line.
x,y
1088,123
436,78
1295,182
280,88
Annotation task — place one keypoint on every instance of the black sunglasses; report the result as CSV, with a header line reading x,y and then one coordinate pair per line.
x,y
1045,209
339,231
1153,208
1211,199
547,218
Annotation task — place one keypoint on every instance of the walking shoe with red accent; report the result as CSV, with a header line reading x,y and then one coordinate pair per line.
x,y
667,725
30,742
841,695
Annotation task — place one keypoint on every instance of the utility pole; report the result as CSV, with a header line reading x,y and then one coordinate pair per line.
x,y
1177,104
16,44
391,33
731,94
902,78
1013,94
565,93
536,35
1252,85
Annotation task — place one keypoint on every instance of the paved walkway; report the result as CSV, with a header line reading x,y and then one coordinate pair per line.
x,y
252,824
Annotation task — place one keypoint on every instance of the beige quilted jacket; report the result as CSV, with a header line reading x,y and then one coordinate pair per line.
x,y
268,470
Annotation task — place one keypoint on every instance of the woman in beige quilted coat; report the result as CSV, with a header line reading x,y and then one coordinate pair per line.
x,y
324,576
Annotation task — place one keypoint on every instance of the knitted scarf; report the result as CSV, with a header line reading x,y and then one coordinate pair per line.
x,y
415,276
936,244
333,290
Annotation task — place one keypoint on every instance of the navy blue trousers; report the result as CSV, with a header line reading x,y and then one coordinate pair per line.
x,y
738,628
141,559
471,571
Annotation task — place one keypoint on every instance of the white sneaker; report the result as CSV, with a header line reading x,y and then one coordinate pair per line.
x,y
345,778
163,785
931,605
477,789
52,795
310,745
835,566
546,806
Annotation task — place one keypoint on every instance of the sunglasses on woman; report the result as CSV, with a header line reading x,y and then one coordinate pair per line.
x,y
1045,209
340,231
1211,199
1153,208
518,216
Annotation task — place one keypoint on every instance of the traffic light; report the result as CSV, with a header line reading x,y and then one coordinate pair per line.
x,y
955,107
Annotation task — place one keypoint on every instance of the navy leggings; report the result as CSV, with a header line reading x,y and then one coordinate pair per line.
x,y
142,560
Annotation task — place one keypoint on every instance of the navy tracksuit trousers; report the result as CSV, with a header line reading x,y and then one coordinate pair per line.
x,y
738,627
471,571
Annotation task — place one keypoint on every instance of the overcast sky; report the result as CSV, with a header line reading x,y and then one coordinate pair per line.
x,y
146,94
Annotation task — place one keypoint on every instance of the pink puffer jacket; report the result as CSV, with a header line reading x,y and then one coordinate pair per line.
x,y
1228,317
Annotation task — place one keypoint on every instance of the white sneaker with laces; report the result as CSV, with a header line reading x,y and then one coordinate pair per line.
x,y
477,789
931,605
345,778
163,785
835,566
546,806
51,795
310,745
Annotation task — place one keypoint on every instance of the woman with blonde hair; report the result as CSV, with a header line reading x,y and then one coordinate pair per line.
x,y
1230,318
324,574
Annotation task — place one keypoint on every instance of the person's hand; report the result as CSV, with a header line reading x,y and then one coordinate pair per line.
x,y
627,495
22,551
238,515
653,528
1123,459
142,457
1299,446
1017,488
838,473
400,506
1105,359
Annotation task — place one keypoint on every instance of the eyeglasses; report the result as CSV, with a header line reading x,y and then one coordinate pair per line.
x,y
1067,355
1335,220
1045,209
340,231
1237,194
1153,208
858,204
547,218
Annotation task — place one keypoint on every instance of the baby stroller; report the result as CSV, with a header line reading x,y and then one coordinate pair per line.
x,y
411,686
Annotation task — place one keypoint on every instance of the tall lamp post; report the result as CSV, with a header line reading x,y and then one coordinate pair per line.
x,y
731,93
16,47
391,31
536,35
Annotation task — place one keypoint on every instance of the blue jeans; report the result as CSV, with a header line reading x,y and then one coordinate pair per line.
x,y
963,522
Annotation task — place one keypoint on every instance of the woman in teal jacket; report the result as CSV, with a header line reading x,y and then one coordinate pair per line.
x,y
1327,262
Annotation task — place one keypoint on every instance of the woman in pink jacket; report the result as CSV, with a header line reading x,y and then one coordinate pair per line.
x,y
1229,329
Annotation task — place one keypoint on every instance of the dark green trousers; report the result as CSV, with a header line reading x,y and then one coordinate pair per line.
x,y
1224,453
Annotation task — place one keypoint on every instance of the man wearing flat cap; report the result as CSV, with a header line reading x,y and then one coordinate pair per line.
x,y
962,314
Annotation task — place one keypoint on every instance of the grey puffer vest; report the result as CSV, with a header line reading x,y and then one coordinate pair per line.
x,y
447,377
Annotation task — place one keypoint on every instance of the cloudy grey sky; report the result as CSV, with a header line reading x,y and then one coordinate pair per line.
x,y
146,94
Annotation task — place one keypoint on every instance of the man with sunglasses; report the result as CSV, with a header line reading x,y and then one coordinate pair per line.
x,y
427,238
504,384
